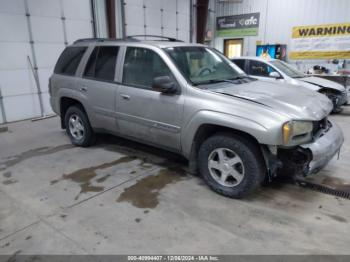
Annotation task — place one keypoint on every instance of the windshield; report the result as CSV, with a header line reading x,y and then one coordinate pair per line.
x,y
287,69
201,65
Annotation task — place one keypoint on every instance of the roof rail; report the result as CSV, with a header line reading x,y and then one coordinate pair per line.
x,y
128,38
164,38
100,40
90,40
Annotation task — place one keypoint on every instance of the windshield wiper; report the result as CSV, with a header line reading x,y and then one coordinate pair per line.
x,y
239,77
230,80
211,81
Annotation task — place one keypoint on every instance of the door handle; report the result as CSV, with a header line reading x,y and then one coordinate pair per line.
x,y
126,97
83,89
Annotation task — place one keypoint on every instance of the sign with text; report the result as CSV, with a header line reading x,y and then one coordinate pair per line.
x,y
238,25
329,41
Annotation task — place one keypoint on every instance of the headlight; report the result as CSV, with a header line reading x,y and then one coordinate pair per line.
x,y
295,129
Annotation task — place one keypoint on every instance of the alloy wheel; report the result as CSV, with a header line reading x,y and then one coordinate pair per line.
x,y
226,167
76,127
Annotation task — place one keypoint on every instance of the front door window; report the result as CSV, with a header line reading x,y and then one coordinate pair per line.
x,y
257,68
141,66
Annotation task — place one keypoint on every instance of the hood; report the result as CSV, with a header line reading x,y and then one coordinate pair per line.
x,y
321,82
294,102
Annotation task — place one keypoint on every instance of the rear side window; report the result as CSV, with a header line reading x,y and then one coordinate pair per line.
x,y
69,60
240,63
101,64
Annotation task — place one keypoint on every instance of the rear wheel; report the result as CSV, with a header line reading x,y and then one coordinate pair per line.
x,y
78,127
231,165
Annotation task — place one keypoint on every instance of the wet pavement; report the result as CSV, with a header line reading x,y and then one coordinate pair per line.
x,y
121,197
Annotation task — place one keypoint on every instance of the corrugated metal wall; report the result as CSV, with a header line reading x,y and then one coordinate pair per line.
x,y
277,17
32,35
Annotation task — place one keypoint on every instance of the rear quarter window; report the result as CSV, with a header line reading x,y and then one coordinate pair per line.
x,y
69,60
240,63
102,62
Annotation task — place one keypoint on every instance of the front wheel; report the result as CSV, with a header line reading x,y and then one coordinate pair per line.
x,y
78,127
231,165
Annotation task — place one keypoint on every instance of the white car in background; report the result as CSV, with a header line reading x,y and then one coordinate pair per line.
x,y
277,70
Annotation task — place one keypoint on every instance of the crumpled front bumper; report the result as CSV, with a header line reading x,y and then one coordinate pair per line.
x,y
343,100
324,148
339,100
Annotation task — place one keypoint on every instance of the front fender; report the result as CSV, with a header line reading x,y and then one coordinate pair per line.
x,y
261,133
305,84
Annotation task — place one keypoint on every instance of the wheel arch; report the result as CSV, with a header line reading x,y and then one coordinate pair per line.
x,y
207,130
198,131
65,103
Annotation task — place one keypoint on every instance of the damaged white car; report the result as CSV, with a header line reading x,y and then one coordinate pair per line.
x,y
277,70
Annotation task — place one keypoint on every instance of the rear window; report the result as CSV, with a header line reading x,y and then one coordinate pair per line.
x,y
240,63
101,64
69,60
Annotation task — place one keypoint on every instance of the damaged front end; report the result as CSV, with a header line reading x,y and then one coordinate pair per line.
x,y
288,162
338,98
294,161
306,159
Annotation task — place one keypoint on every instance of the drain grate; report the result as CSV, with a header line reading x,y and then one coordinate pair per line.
x,y
323,189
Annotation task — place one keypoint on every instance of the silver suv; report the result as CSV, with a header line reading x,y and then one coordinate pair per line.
x,y
189,99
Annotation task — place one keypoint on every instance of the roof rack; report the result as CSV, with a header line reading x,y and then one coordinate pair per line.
x,y
98,40
164,38
128,38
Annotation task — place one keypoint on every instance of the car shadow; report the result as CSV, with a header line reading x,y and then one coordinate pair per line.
x,y
179,165
147,153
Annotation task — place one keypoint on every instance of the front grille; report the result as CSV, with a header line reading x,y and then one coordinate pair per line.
x,y
338,98
344,97
322,125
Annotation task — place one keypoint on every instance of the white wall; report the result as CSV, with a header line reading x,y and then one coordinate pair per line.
x,y
277,17
100,17
169,18
49,34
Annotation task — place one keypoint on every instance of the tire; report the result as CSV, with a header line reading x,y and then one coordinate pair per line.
x,y
250,168
81,135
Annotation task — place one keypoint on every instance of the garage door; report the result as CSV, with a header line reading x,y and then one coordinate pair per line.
x,y
32,35
158,17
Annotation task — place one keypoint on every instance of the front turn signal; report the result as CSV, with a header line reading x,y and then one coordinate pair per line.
x,y
287,132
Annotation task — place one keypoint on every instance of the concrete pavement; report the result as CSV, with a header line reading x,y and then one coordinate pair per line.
x,y
120,197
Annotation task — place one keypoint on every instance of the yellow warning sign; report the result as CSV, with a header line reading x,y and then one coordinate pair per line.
x,y
321,42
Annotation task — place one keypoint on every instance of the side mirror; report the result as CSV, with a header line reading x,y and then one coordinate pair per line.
x,y
275,74
164,84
